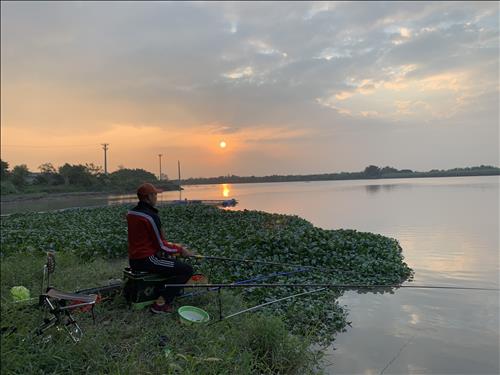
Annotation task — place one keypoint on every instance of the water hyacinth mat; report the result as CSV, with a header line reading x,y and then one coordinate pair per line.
x,y
344,256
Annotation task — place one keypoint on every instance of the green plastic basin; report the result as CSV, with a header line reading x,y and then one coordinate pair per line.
x,y
193,315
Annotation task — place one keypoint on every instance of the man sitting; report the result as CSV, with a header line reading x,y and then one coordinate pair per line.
x,y
148,250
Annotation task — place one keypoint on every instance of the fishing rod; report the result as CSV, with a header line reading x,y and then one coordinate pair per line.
x,y
326,286
260,277
322,287
241,260
266,304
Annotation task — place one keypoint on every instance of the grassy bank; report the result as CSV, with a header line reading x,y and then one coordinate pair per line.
x,y
125,341
91,247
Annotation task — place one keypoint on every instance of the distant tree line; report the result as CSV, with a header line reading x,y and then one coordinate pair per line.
x,y
73,178
90,177
370,172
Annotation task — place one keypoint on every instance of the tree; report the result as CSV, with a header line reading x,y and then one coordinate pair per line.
x,y
94,170
48,175
372,171
4,169
19,175
65,171
131,178
75,175
387,170
47,168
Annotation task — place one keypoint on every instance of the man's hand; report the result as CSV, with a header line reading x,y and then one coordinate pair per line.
x,y
186,253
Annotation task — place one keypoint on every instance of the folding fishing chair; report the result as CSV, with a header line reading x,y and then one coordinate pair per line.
x,y
58,305
142,288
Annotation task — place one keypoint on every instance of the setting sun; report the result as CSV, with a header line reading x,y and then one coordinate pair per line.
x,y
222,144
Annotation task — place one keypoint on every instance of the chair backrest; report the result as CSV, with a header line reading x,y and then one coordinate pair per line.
x,y
48,269
51,262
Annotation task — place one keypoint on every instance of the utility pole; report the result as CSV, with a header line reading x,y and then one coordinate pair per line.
x,y
160,155
179,170
105,148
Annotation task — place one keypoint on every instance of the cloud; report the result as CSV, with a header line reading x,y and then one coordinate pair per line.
x,y
238,73
343,95
317,68
221,129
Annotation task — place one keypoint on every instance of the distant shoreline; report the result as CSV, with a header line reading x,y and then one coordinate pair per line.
x,y
34,196
5,198
493,171
100,194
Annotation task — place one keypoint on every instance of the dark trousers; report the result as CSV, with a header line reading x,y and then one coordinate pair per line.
x,y
176,271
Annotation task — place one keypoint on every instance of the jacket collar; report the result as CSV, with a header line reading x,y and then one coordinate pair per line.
x,y
146,206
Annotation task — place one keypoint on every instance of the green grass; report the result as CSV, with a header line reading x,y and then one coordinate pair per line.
x,y
125,341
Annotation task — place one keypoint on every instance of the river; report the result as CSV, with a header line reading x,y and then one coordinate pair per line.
x,y
449,231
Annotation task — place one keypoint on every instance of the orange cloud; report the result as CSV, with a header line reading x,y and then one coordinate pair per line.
x,y
344,95
138,146
447,81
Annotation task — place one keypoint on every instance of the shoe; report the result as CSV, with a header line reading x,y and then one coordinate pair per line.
x,y
161,309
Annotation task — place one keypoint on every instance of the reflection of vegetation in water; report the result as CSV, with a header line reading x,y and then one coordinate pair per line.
x,y
372,189
342,256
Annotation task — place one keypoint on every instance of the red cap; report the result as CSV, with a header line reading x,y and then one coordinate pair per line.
x,y
146,189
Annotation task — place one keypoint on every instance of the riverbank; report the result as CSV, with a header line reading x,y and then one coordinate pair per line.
x,y
91,246
345,176
44,195
68,194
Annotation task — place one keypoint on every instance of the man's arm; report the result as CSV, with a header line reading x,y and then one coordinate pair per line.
x,y
182,250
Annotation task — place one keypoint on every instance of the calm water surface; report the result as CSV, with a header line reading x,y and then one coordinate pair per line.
x,y
449,231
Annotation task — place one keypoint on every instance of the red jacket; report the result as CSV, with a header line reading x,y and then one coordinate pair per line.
x,y
145,237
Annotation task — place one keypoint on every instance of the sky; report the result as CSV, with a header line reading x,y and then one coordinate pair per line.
x,y
291,87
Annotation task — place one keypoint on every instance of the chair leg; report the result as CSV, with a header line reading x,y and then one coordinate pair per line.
x,y
58,317
49,323
75,332
51,317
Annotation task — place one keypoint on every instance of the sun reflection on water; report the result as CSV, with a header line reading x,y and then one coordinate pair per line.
x,y
225,190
